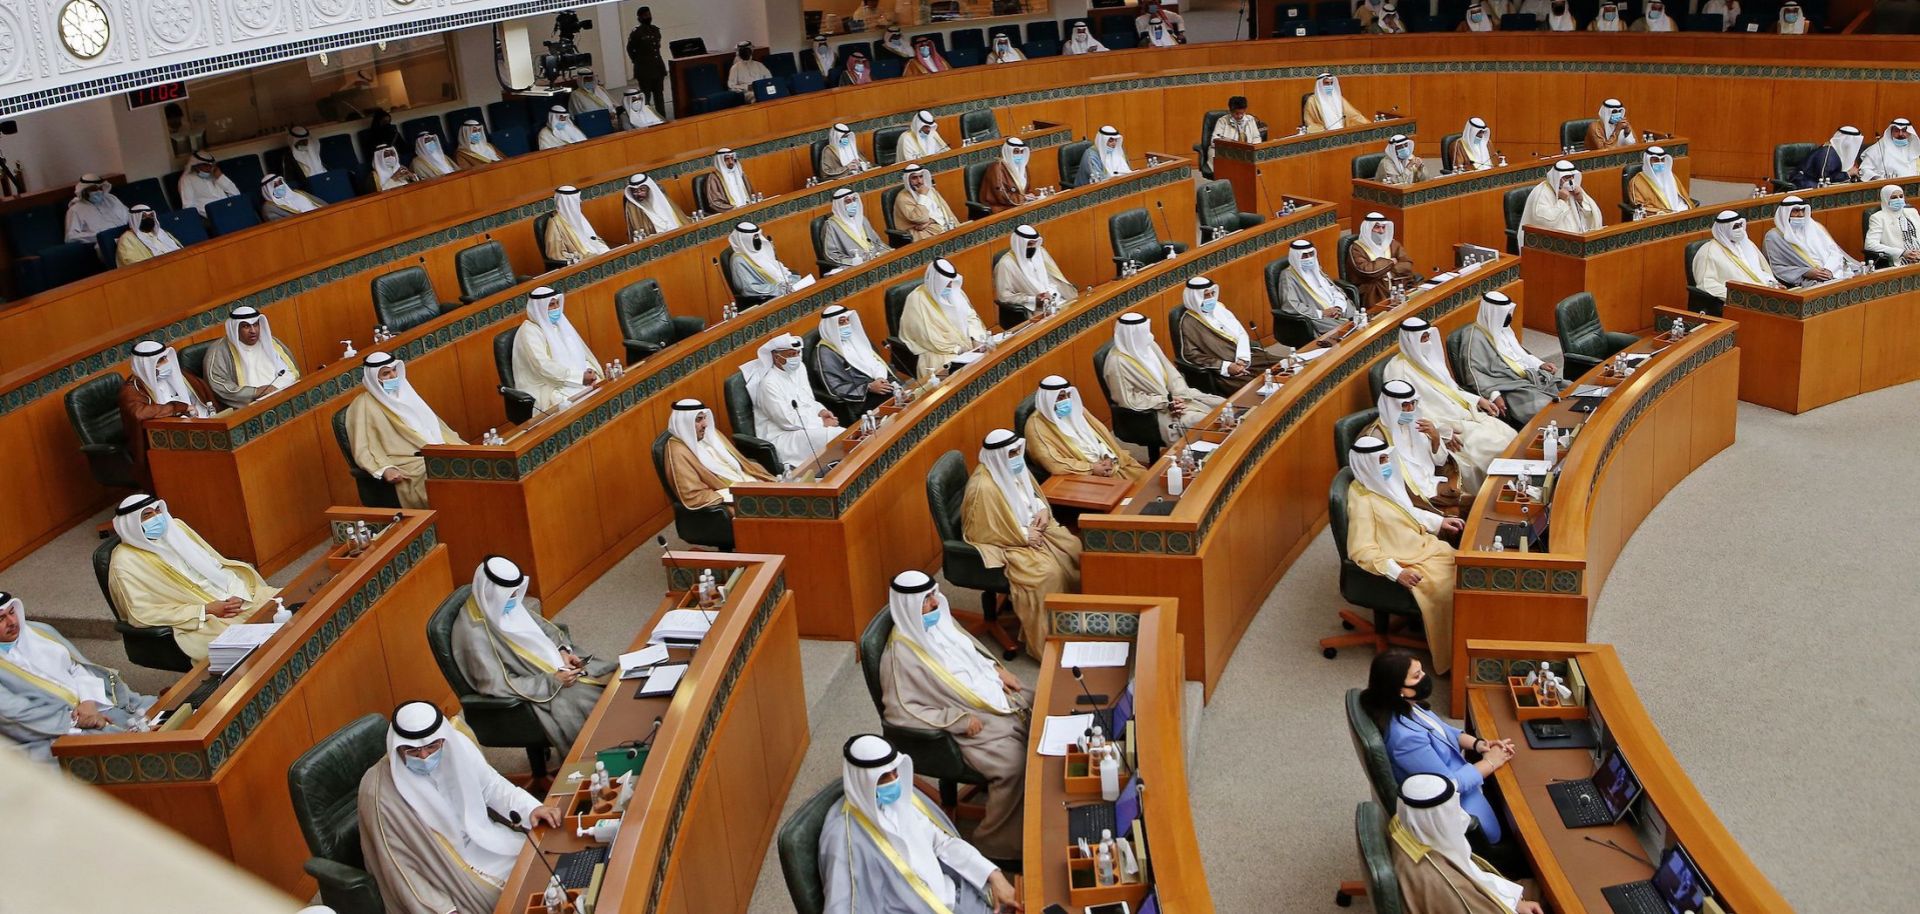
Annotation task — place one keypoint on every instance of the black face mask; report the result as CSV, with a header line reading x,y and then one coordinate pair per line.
x,y
1508,322
646,20
146,223
745,54
1033,250
757,242
1423,690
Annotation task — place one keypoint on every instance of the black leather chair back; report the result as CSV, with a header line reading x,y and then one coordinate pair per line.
x,y
483,270
1787,159
1131,232
404,299
1290,329
896,303
1446,151
700,182
440,639
519,403
1215,204
1366,164
817,231
798,844
886,144
1584,342
1376,859
970,179
193,357
1023,411
1337,509
1071,155
960,561
324,783
1457,358
896,236
1342,248
1513,205
1693,248
1697,298
93,409
1347,429
813,155
1574,133
710,527
740,299
1207,122
102,562
1370,747
540,241
978,126
374,492
1377,375
646,326
739,404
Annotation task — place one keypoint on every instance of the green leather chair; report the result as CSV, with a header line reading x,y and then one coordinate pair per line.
x,y
1377,375
1214,203
935,753
324,783
1133,426
739,405
798,844
817,232
645,324
896,236
1362,588
148,646
1198,377
1456,347
886,145
904,361
193,357
1698,301
1370,749
1513,205
978,126
374,492
1366,164
404,299
93,409
484,270
1070,156
1010,314
1207,122
710,527
1287,328
847,411
1787,159
970,179
1574,133
1023,411
540,240
1347,429
498,723
1584,343
519,402
1133,237
961,563
1376,861
1446,151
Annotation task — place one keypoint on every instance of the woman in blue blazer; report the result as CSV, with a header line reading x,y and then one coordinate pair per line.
x,y
1420,742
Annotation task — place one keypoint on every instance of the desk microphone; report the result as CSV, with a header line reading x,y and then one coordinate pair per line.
x,y
667,560
1086,697
810,445
513,822
1610,843
1161,208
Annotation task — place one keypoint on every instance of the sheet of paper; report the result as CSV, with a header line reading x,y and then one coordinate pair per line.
x,y
631,663
804,282
1591,390
1092,654
1059,733
1308,355
1507,466
663,680
968,358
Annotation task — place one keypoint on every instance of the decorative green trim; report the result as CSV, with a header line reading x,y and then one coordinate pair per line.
x,y
1310,143
1176,542
732,337
1094,624
154,767
1700,221
676,813
1495,670
1029,348
1429,191
1560,582
1822,301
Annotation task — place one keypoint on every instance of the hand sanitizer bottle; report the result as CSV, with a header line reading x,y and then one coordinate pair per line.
x,y
1176,478
1110,774
1550,443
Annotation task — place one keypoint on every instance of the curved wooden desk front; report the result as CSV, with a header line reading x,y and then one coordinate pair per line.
x,y
254,479
1707,87
867,520
1672,415
1316,165
1178,876
1570,866
1262,498
730,741
575,492
1631,267
1809,347
1434,215
358,646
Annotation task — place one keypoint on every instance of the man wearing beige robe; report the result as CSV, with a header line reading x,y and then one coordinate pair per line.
x,y
938,322
649,210
1327,109
570,237
729,187
507,649
1141,377
1437,870
1027,276
1388,536
163,575
702,465
388,423
1068,441
840,156
936,676
1656,189
1004,516
919,210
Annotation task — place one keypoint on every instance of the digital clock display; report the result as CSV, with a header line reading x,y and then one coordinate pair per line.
x,y
148,96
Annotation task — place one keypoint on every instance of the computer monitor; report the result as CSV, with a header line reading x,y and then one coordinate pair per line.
x,y
1150,904
1126,807
1122,711
1679,882
1617,786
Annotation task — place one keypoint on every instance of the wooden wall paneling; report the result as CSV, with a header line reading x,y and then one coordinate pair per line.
x,y
24,487
258,810
1773,378
1892,346
411,673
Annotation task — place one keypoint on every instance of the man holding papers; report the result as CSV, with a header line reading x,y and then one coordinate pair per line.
x,y
507,649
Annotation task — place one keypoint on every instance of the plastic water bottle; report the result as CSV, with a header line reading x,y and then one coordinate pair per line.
x,y
1103,859
1550,443
1110,774
1176,480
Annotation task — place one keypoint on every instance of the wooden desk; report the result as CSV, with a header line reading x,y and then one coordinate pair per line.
x,y
577,492
359,646
1672,415
1569,868
1084,493
1316,165
1631,267
730,740
1262,498
866,521
1468,207
255,478
1808,347
679,67
1173,865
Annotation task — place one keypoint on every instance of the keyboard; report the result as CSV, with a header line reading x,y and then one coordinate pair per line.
x,y
198,697
1635,898
576,869
1579,804
1089,820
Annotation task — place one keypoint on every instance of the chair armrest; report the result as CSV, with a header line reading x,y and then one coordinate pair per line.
x,y
446,306
759,450
935,753
684,326
1179,247
1699,302
332,874
470,703
898,239
516,395
130,630
102,450
978,210
640,349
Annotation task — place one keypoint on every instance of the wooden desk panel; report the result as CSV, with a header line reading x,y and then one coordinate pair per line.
x,y
1314,165
731,739
1672,415
1261,500
1570,868
357,647
1809,347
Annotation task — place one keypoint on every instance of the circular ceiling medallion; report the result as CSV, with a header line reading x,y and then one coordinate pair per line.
x,y
84,28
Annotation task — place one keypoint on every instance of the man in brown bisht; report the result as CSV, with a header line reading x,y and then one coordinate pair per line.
x,y
1437,871
1004,516
702,465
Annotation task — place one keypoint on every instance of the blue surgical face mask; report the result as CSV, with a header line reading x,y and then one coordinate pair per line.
x,y
1386,472
1902,140
1063,409
1658,168
1616,117
1404,418
279,191
1477,17
154,527
929,620
1020,156
512,604
1017,464
1206,305
422,765
1405,152
96,197
1792,17
889,793
846,333
553,317
391,385
1897,204
7,648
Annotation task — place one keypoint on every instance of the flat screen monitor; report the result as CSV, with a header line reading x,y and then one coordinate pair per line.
x,y
1616,784
1679,882
1126,807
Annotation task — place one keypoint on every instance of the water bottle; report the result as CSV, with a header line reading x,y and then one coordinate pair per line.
x,y
1103,859
1550,443
1176,480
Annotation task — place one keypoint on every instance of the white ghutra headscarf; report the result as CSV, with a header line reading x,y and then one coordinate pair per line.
x,y
1305,261
1495,321
500,590
658,208
1730,233
719,461
1477,139
176,548
1795,222
1201,298
943,641
1074,425
1430,810
563,343
47,659
1408,442
566,208
1015,485
1663,180
850,342
732,180
165,385
403,401
452,798
261,363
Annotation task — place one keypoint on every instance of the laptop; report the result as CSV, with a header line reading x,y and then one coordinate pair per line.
x,y
1600,800
1088,820
1676,888
1535,530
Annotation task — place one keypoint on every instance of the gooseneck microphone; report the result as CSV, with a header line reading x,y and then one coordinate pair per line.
x,y
1086,697
513,822
819,470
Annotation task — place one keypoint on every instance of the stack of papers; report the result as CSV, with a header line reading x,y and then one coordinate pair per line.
x,y
682,625
1507,466
1061,733
663,680
636,664
1591,390
1092,654
236,643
